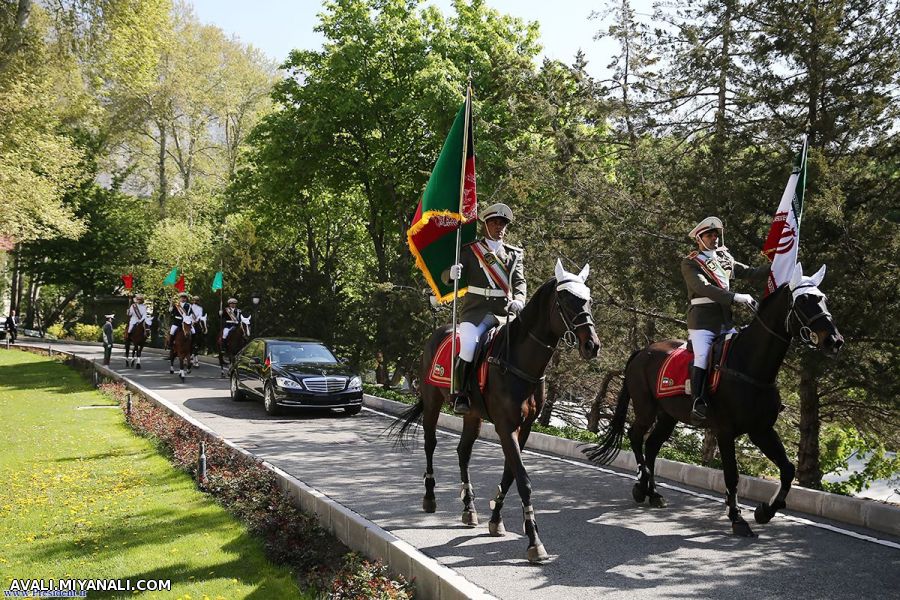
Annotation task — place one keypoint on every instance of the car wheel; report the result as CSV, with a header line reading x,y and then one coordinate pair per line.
x,y
352,410
272,408
236,393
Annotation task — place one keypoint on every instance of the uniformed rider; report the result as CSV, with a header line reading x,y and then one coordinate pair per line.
x,y
181,308
495,276
707,273
197,312
137,311
231,317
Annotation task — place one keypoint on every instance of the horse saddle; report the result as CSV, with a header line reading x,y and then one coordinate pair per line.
x,y
674,377
439,371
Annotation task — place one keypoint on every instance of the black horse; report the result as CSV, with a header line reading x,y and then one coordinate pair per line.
x,y
230,346
746,401
513,396
180,346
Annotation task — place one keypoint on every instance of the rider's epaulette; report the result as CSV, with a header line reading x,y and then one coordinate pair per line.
x,y
692,255
514,248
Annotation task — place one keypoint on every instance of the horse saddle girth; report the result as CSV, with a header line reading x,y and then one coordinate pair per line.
x,y
675,373
439,371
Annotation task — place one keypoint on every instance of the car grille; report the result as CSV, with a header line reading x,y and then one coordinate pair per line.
x,y
325,385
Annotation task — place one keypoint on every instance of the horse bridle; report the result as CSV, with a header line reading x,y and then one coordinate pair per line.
x,y
806,334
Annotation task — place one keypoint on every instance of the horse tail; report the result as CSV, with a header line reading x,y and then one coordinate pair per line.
x,y
402,429
611,438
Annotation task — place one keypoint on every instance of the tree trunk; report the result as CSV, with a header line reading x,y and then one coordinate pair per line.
x,y
14,284
552,392
709,448
163,180
593,423
809,471
32,298
14,42
53,316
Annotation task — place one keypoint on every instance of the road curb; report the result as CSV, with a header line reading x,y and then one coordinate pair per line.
x,y
861,512
432,579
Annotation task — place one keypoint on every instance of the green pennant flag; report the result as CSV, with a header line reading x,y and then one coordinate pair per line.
x,y
172,277
449,202
217,281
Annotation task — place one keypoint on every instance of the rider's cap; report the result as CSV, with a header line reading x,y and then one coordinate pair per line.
x,y
196,298
234,300
183,295
705,225
138,296
110,316
497,210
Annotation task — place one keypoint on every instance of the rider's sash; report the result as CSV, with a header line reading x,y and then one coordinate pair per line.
x,y
233,315
137,313
716,273
492,266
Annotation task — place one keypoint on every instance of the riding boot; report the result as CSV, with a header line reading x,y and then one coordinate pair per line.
x,y
698,391
459,394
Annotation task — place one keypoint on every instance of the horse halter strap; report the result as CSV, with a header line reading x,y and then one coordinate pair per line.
x,y
574,323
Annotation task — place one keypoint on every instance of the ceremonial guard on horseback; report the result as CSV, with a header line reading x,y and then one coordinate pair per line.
x,y
199,331
708,272
235,329
137,331
496,290
180,334
510,369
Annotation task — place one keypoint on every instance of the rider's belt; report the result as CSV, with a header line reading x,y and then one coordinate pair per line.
x,y
696,301
486,292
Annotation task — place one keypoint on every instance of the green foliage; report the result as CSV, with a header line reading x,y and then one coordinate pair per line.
x,y
86,333
360,578
56,330
839,445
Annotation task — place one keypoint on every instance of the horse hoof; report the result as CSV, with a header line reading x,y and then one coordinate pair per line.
x,y
496,529
762,514
657,501
171,371
742,529
537,554
429,505
639,493
137,366
181,377
470,518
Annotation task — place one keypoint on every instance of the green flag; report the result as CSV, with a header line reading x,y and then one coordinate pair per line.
x,y
217,281
449,202
172,277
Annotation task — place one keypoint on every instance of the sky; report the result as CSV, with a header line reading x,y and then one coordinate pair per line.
x,y
277,26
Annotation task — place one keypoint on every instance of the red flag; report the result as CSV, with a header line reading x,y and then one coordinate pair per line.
x,y
179,285
128,280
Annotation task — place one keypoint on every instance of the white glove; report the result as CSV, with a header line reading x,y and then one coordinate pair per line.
x,y
746,299
515,307
455,272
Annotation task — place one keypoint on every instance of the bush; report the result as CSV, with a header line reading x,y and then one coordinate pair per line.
x,y
360,578
119,333
86,333
57,331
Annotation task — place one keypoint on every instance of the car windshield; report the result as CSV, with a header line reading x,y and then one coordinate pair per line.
x,y
286,354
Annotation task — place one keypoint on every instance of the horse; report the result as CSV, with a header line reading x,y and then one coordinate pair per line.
x,y
137,336
512,397
746,400
199,335
230,346
180,346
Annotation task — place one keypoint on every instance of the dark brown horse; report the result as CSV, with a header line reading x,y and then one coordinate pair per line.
x,y
746,400
197,339
180,346
138,338
230,346
513,396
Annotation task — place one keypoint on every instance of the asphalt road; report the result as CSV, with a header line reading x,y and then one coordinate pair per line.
x,y
605,544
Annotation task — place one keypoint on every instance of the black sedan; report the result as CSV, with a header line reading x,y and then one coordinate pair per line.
x,y
294,372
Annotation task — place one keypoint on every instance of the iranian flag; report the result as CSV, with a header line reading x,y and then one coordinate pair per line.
x,y
449,203
783,242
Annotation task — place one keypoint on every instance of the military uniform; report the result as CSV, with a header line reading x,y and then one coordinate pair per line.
x,y
180,310
231,318
495,279
707,274
136,313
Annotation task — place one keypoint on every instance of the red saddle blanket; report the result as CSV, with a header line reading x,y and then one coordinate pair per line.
x,y
675,375
439,373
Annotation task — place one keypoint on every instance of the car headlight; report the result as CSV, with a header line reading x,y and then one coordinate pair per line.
x,y
287,382
355,384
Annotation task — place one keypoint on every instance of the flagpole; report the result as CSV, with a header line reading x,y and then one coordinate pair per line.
x,y
462,217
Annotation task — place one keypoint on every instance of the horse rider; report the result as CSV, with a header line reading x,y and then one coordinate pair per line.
x,y
495,273
107,337
197,311
181,308
707,273
136,313
231,318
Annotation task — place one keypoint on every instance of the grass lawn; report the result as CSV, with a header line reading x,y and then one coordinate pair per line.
x,y
83,497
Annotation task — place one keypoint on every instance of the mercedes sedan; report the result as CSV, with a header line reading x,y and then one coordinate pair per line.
x,y
294,373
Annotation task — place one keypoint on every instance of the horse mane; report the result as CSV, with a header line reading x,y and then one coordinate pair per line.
x,y
515,328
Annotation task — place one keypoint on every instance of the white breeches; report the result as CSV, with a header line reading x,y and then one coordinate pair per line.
x,y
701,340
226,331
469,334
